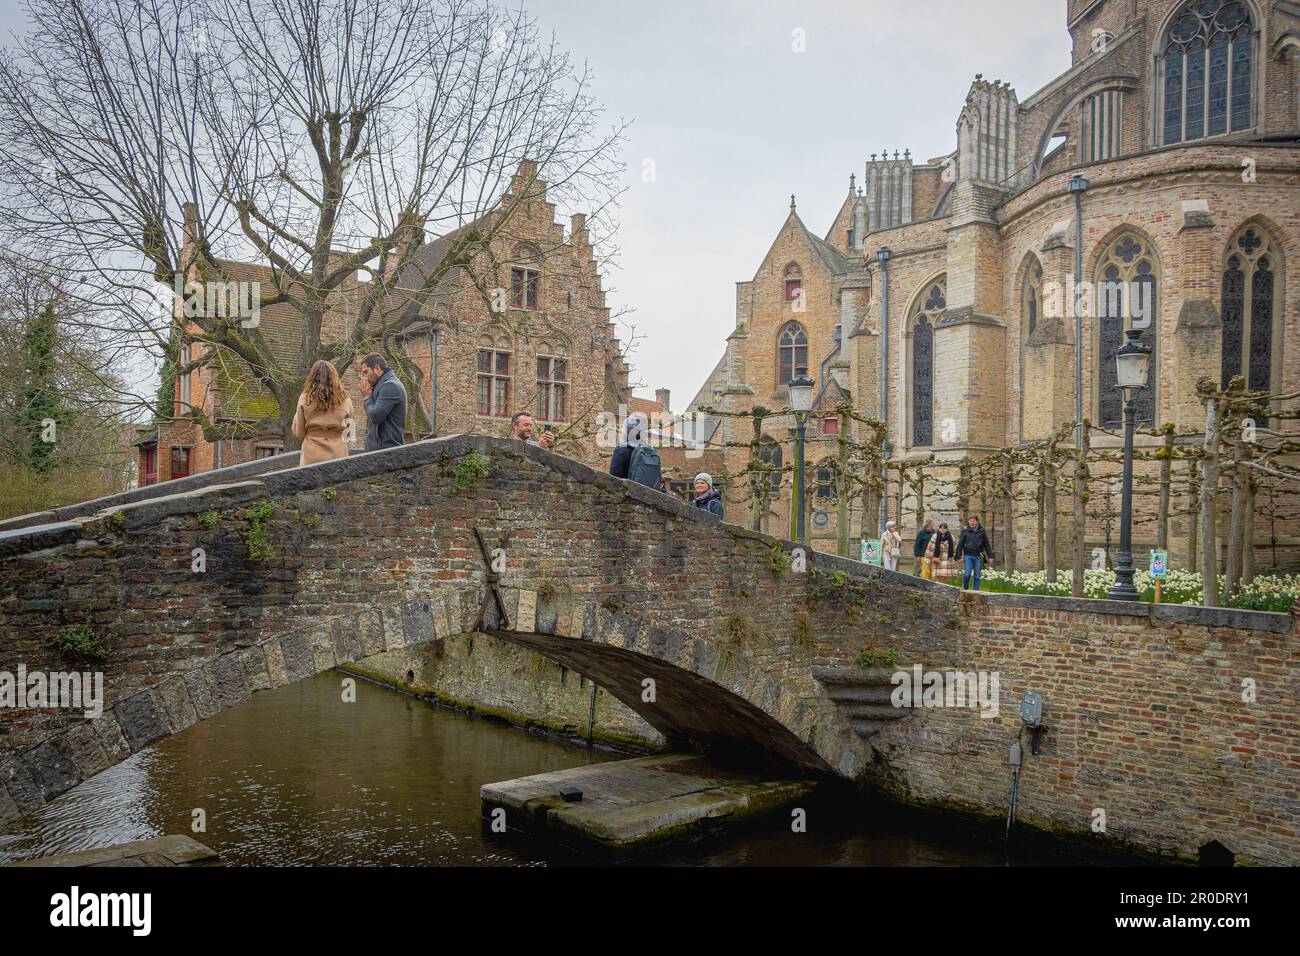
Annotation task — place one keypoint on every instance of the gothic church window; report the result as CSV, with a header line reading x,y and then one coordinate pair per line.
x,y
1207,69
1127,297
792,352
1251,287
929,311
769,453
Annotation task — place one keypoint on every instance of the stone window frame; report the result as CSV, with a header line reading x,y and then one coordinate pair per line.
x,y
923,305
549,387
1104,254
1159,66
526,292
793,275
794,346
1031,293
1271,247
500,384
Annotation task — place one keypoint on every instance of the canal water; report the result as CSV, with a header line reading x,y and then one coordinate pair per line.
x,y
297,776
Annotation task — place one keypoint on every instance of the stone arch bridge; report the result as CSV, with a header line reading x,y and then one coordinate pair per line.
x,y
244,581
205,590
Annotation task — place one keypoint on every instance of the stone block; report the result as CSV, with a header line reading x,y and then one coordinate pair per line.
x,y
253,661
296,651
275,662
199,684
229,687
142,720
21,787
177,706
394,638
87,751
525,616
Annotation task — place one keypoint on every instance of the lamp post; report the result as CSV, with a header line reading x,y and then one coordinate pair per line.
x,y
1132,362
801,395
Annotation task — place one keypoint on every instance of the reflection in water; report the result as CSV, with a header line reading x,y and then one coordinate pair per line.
x,y
295,776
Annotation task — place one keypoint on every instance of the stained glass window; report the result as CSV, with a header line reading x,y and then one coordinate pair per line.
x,y
1249,307
1208,64
930,312
1127,297
792,352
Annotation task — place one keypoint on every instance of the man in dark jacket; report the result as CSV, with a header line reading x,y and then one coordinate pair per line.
x,y
622,457
972,548
920,544
706,497
385,401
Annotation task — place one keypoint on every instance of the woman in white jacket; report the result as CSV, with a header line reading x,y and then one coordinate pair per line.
x,y
890,543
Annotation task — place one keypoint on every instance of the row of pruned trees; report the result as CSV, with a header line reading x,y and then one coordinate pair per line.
x,y
1244,468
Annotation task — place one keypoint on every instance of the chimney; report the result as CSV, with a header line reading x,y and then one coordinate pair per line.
x,y
661,397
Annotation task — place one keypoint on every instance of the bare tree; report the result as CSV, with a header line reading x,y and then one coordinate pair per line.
x,y
317,139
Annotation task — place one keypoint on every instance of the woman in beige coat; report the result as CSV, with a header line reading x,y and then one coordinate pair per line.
x,y
323,421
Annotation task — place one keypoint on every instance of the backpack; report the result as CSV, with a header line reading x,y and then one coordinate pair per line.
x,y
644,466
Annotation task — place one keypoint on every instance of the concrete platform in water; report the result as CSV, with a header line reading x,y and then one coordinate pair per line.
x,y
173,850
629,805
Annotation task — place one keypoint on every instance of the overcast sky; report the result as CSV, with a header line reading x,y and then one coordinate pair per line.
x,y
735,119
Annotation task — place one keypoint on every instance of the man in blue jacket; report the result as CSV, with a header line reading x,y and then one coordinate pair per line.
x,y
385,401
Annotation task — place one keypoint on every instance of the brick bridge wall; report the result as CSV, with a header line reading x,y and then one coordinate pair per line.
x,y
376,553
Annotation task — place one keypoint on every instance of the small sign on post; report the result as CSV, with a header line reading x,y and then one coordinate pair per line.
x,y
871,551
1158,569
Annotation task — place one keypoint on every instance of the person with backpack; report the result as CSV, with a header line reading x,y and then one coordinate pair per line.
x,y
637,459
973,547
707,498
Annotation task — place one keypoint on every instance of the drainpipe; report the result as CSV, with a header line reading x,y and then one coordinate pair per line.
x,y
1078,186
882,257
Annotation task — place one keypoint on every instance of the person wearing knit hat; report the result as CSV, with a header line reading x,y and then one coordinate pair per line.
x,y
706,497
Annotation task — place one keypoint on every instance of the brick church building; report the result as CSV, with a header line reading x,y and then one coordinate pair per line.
x,y
547,347
942,278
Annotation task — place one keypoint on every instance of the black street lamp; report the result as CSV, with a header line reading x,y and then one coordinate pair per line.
x,y
1132,362
801,398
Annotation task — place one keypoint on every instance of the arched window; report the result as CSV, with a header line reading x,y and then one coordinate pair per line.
x,y
1251,289
1031,300
1127,297
928,313
1031,308
791,352
494,375
769,453
1207,64
526,278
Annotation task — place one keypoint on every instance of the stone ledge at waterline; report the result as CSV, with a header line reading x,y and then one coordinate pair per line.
x,y
627,805
626,585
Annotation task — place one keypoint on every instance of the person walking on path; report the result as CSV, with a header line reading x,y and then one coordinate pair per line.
x,y
706,497
973,548
919,546
890,544
385,400
323,420
939,552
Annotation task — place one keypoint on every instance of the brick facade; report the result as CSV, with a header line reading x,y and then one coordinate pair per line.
x,y
568,320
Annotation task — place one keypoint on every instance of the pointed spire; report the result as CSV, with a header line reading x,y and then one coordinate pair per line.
x,y
792,202
853,183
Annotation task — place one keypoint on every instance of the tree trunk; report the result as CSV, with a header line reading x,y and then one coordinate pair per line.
x,y
1042,493
758,480
1008,515
1236,525
1193,513
1209,487
1248,531
1080,511
1049,511
963,492
1166,468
